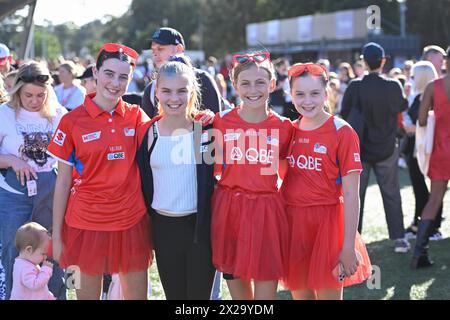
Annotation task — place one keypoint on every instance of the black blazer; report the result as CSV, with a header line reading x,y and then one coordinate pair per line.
x,y
204,155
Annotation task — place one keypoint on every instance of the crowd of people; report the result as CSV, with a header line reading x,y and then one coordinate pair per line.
x,y
254,170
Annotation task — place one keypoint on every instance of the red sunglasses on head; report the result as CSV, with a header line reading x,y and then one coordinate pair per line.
x,y
257,57
315,69
115,47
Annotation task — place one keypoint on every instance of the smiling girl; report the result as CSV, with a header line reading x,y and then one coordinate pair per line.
x,y
249,226
100,219
177,187
321,191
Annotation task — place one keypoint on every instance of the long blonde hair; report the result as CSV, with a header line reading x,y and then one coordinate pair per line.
x,y
176,67
423,72
32,70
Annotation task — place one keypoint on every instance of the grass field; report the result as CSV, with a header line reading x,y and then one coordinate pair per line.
x,y
397,281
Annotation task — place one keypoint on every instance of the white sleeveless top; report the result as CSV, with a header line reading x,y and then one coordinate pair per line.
x,y
174,174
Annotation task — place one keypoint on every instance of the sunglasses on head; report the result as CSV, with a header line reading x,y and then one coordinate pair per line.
x,y
300,68
118,48
41,78
257,57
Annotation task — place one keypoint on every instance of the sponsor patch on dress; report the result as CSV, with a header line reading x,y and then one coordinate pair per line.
x,y
59,138
129,132
231,136
116,156
318,148
91,136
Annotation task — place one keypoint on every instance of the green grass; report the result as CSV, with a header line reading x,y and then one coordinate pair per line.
x,y
397,281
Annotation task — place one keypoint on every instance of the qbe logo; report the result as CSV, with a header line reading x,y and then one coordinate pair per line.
x,y
116,156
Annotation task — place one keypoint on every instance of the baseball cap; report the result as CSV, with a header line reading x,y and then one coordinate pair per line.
x,y
168,36
372,52
87,73
4,53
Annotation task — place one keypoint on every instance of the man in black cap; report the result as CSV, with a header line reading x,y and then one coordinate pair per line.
x,y
167,42
87,79
380,100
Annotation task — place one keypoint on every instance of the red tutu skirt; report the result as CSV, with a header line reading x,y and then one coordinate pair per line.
x,y
249,234
317,235
99,252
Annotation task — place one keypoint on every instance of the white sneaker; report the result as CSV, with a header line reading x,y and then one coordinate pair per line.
x,y
401,246
402,163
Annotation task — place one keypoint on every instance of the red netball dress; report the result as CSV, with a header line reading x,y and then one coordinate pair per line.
x,y
312,190
440,156
106,227
249,224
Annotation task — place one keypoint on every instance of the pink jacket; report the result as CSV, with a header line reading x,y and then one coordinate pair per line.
x,y
30,281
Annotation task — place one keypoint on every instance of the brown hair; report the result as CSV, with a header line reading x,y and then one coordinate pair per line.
x,y
30,234
239,67
323,79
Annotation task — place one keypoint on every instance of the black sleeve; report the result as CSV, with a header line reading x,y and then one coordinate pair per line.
x,y
146,103
348,99
413,111
400,102
210,93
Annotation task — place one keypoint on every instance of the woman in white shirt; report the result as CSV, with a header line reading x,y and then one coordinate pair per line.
x,y
70,93
27,123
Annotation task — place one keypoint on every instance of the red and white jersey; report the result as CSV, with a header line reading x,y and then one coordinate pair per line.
x,y
318,159
101,146
250,152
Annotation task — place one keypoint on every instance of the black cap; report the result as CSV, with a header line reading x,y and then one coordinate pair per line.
x,y
372,52
168,36
87,73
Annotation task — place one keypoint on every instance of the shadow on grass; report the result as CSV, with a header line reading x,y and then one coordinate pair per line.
x,y
397,280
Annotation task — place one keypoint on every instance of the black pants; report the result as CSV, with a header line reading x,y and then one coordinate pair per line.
x,y
386,173
185,267
420,189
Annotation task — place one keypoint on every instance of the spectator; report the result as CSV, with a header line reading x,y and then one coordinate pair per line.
x,y
87,80
435,55
423,72
9,80
27,123
381,100
70,94
5,59
359,68
436,96
167,42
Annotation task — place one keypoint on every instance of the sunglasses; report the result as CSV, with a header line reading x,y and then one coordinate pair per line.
x,y
257,57
115,47
315,69
41,78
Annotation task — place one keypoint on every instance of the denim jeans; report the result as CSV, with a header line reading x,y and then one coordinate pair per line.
x,y
18,209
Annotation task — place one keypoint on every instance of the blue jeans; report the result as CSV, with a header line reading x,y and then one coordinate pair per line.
x,y
217,287
18,209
